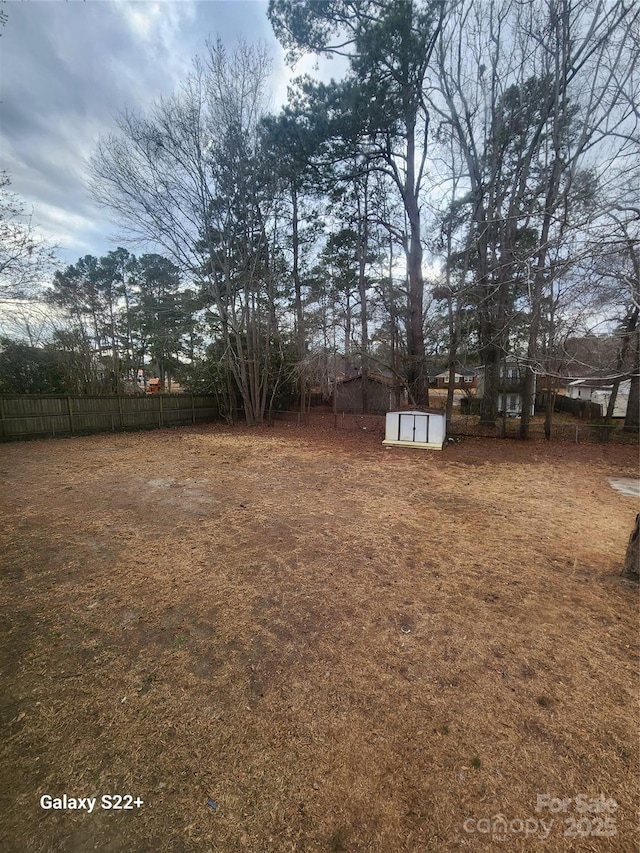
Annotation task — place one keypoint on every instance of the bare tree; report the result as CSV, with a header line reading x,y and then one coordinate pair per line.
x,y
27,261
536,109
188,177
625,237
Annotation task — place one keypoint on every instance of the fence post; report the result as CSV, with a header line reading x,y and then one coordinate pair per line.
x,y
121,412
70,408
193,410
161,414
2,424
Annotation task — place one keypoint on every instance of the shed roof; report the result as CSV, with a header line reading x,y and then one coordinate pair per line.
x,y
592,382
373,377
425,411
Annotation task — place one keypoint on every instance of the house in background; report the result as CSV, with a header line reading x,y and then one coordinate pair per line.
x,y
383,393
512,373
466,378
598,389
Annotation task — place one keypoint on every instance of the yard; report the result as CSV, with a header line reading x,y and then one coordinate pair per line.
x,y
292,639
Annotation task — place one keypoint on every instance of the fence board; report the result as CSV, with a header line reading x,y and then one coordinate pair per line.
x,y
39,415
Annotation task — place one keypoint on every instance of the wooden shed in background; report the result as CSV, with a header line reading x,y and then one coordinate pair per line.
x,y
383,393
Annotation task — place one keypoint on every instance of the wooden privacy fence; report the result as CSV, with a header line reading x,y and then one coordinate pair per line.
x,y
584,409
40,415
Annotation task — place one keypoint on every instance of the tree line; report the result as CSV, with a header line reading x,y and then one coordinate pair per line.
x,y
469,190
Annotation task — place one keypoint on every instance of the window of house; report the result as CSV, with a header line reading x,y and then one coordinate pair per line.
x,y
467,378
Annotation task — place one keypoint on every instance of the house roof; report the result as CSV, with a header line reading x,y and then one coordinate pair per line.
x,y
373,377
592,382
460,371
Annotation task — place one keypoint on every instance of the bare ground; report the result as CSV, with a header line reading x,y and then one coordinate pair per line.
x,y
340,646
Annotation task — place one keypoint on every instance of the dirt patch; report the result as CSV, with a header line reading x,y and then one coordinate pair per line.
x,y
339,645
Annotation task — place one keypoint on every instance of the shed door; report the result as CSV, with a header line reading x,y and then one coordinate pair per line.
x,y
413,428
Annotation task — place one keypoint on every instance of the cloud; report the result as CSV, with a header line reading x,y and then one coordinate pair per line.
x,y
62,226
68,69
141,17
161,34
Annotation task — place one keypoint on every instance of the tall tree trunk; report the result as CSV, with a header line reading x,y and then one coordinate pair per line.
x,y
631,568
552,201
347,332
632,419
454,341
393,320
549,403
297,284
551,368
417,368
491,357
363,240
489,339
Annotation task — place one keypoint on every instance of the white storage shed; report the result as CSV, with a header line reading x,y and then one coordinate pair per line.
x,y
425,429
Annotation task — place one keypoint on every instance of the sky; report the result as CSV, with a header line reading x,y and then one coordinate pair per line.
x,y
68,68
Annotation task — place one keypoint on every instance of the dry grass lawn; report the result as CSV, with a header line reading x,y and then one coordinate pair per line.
x,y
297,640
